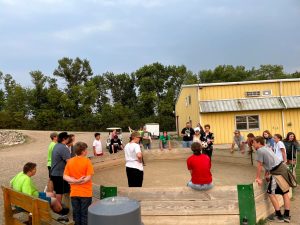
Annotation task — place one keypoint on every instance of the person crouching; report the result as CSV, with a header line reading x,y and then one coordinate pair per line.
x,y
199,166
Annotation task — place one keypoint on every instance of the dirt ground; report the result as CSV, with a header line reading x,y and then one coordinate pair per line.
x,y
13,158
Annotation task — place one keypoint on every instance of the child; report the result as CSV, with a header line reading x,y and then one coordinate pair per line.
x,y
97,146
164,141
22,182
78,172
279,148
199,166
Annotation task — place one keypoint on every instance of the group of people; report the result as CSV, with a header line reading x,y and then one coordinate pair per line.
x,y
70,172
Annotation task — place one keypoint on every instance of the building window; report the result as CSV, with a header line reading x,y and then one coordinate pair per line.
x,y
247,122
252,93
188,100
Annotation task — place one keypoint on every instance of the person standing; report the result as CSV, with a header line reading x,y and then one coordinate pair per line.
x,y
53,142
197,135
146,139
199,166
97,145
279,148
209,138
269,141
273,166
60,155
238,140
78,172
187,133
291,145
164,141
134,164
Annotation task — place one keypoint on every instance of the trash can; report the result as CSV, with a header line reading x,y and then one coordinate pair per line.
x,y
115,211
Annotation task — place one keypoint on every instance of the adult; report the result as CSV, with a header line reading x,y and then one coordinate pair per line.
x,y
209,138
291,145
187,134
269,141
97,145
197,135
238,140
22,182
60,156
273,166
78,173
146,139
115,145
53,137
165,141
134,164
199,166
70,145
279,148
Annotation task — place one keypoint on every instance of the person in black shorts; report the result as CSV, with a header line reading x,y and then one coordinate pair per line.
x,y
60,155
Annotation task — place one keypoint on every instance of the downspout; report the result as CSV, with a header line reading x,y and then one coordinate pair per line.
x,y
282,112
199,106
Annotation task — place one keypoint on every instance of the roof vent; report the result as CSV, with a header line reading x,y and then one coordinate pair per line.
x,y
252,93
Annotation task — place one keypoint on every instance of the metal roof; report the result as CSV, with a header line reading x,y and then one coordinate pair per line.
x,y
234,105
241,82
291,101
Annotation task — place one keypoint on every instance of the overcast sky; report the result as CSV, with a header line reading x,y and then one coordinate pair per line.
x,y
123,35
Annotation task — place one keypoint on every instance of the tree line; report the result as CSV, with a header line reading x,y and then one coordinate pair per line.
x,y
89,102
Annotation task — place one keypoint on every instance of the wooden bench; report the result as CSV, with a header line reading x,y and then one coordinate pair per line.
x,y
40,209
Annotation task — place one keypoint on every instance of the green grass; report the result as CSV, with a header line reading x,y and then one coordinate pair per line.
x,y
298,168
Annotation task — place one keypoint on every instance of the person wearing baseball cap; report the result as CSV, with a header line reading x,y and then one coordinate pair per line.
x,y
134,161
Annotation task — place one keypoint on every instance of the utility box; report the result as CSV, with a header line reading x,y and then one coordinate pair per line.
x,y
153,128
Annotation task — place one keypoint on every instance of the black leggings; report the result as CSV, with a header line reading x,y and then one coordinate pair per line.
x,y
135,177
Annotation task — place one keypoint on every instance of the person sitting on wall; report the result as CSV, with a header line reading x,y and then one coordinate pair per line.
x,y
199,166
115,145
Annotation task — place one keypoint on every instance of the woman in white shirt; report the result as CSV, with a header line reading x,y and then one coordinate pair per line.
x,y
279,148
197,135
134,164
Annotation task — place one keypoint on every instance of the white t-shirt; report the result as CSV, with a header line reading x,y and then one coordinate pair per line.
x,y
277,151
131,149
98,146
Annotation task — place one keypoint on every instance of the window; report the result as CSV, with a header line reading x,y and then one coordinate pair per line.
x,y
252,93
188,100
267,92
247,122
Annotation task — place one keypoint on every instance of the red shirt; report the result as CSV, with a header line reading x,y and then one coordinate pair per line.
x,y
200,166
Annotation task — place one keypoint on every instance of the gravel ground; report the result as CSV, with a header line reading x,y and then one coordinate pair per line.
x,y
13,158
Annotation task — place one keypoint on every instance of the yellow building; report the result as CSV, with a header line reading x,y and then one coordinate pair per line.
x,y
251,107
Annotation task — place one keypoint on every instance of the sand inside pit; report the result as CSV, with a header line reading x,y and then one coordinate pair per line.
x,y
174,173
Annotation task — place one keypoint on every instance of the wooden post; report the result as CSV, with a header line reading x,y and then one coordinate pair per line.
x,y
246,203
8,214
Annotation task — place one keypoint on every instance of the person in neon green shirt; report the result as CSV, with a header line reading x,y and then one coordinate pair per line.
x,y
22,182
53,137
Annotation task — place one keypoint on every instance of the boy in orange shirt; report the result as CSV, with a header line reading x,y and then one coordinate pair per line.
x,y
78,172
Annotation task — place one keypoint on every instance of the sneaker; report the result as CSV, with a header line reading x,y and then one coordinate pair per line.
x,y
274,218
64,211
287,219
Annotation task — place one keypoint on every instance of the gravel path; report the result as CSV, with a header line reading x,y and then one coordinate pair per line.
x,y
13,158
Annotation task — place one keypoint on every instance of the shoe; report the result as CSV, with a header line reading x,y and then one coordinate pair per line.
x,y
63,218
276,219
287,219
64,211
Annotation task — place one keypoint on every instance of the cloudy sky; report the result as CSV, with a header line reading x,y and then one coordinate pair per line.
x,y
123,35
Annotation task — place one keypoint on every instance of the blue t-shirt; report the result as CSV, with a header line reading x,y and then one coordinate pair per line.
x,y
60,155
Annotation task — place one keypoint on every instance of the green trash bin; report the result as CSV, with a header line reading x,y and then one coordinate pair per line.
x,y
106,192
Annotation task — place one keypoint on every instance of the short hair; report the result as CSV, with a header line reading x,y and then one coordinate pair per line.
x,y
260,139
250,135
187,122
196,148
79,147
97,134
29,167
53,135
62,136
279,136
207,125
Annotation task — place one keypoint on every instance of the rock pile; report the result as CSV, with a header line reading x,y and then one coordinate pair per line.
x,y
8,137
